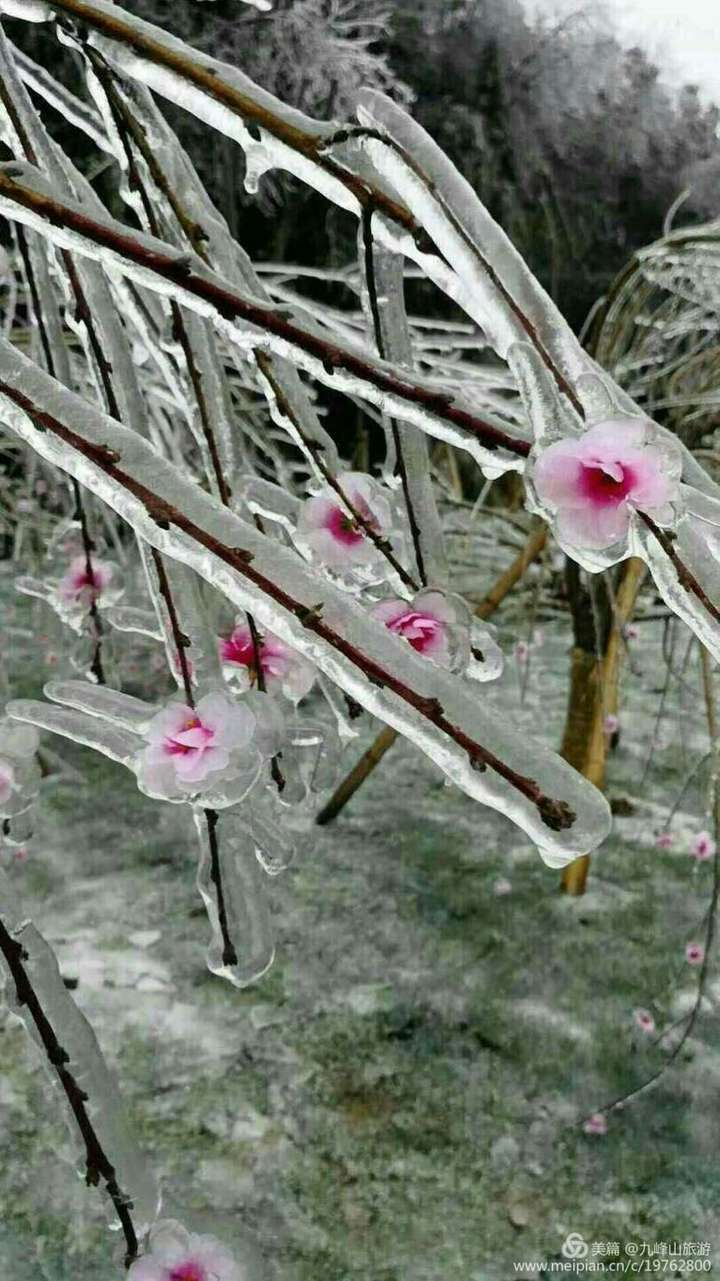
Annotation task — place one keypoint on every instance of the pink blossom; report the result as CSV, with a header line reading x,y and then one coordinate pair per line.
x,y
330,530
630,632
645,1021
522,651
84,586
611,724
664,840
593,482
425,623
596,1124
282,667
694,953
184,1256
7,776
703,847
186,745
502,886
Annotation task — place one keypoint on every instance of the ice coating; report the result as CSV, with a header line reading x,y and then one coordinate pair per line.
x,y
7,778
341,375
130,618
192,654
468,237
342,617
85,1063
72,108
385,308
19,769
242,945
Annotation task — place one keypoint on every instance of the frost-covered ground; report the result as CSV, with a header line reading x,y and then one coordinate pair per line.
x,y
397,1100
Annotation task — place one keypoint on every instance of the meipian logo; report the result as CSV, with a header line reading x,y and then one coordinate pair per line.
x,y
574,1246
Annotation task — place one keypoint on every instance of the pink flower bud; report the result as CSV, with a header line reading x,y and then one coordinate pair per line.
x,y
694,953
596,1124
282,667
645,1021
703,847
330,530
81,585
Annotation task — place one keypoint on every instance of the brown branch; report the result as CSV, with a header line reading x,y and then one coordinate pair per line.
x,y
229,955
165,262
686,578
555,813
180,640
313,146
97,1164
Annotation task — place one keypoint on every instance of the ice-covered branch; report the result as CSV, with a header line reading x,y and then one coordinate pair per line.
x,y
430,706
384,290
26,197
36,994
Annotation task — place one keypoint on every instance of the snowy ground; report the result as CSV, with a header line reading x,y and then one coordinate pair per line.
x,y
397,1100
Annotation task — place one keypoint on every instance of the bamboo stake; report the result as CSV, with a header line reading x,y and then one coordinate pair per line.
x,y
594,692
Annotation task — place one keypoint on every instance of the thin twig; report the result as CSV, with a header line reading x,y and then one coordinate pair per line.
x,y
371,283
97,1164
316,452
